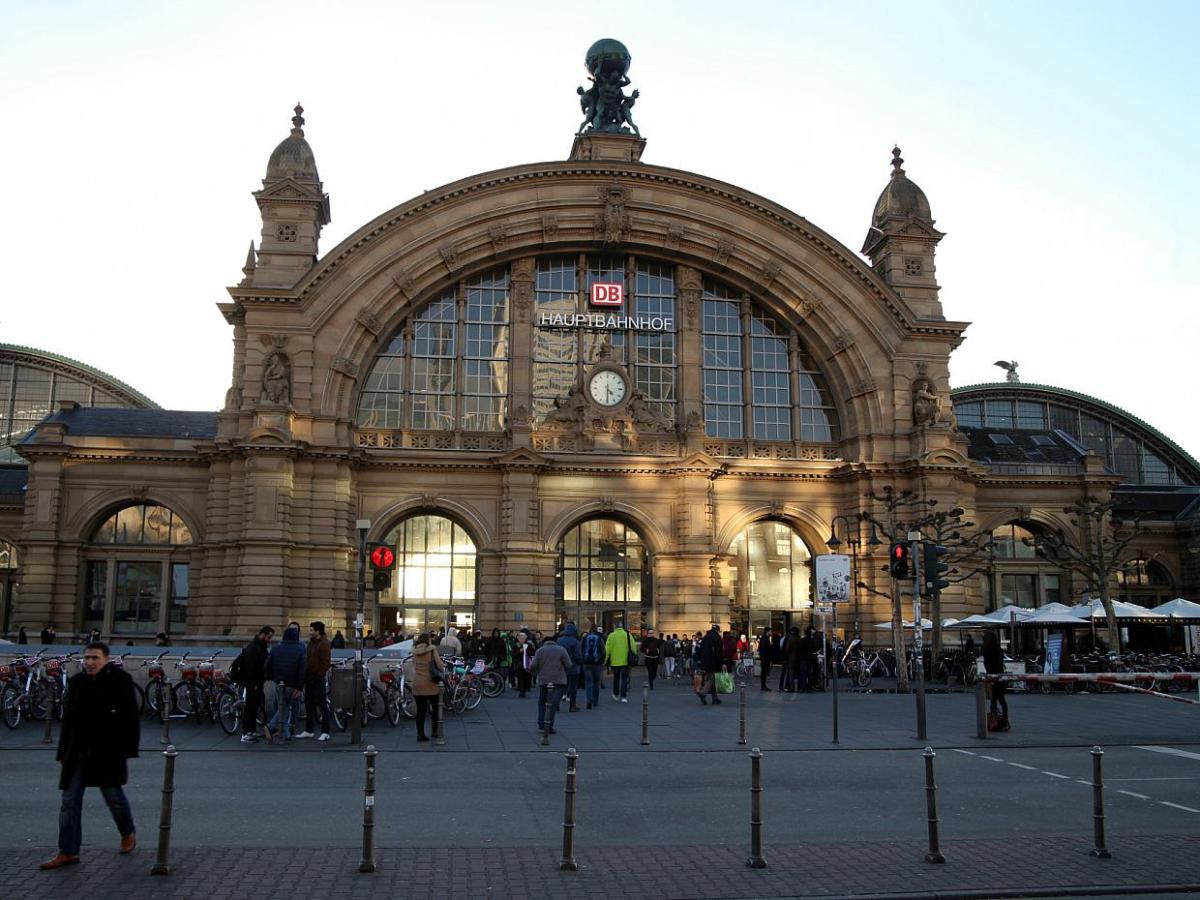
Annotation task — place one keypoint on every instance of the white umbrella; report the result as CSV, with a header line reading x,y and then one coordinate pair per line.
x,y
1008,614
975,621
1179,609
1121,609
1047,618
1053,606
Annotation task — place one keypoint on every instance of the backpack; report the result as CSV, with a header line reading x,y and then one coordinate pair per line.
x,y
593,652
237,669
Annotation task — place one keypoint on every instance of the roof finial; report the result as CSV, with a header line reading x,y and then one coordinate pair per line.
x,y
897,162
298,120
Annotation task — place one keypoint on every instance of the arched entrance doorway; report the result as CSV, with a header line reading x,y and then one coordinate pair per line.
x,y
770,578
434,584
604,575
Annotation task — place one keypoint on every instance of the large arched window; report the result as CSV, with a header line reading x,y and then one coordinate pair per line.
x,y
1019,576
752,386
8,583
446,368
604,575
1145,581
771,578
138,572
434,584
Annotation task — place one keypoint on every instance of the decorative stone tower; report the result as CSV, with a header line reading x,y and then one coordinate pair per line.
x,y
901,242
293,208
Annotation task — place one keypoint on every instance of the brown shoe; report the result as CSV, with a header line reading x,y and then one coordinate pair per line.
x,y
62,859
128,842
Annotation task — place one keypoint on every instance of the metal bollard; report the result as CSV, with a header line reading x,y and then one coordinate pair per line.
x,y
546,717
48,734
756,860
742,712
164,715
162,865
646,715
567,863
439,739
367,863
935,854
981,731
1099,851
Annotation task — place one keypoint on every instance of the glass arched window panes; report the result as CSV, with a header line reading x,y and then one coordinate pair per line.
x,y
722,361
561,356
1009,542
773,568
435,564
1122,451
447,367
602,563
8,556
727,353
1143,573
143,524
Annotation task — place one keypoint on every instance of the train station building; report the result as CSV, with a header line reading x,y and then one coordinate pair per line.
x,y
586,389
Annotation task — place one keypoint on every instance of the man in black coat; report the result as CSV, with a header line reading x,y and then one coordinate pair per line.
x,y
100,731
711,660
766,656
251,666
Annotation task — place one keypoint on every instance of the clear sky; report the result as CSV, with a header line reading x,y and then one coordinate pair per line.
x,y
1057,143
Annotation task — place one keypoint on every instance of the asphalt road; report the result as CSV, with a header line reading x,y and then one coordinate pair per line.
x,y
493,784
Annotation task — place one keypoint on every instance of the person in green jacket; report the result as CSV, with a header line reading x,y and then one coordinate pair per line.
x,y
620,654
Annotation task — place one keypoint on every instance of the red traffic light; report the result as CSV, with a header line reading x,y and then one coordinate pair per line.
x,y
382,557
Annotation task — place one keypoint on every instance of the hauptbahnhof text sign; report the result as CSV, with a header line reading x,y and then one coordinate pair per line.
x,y
606,322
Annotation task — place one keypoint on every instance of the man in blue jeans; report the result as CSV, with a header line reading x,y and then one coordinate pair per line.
x,y
100,732
286,667
550,666
592,651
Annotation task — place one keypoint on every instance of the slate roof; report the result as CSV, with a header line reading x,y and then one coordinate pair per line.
x,y
12,483
102,422
1017,446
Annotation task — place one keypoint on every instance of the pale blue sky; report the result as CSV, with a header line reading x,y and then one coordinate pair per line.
x,y
1056,143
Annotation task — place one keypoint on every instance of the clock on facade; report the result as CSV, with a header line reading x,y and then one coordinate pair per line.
x,y
608,387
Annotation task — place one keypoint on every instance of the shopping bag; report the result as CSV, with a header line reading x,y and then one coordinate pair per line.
x,y
724,683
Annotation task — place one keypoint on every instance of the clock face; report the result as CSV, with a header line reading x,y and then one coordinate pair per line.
x,y
607,388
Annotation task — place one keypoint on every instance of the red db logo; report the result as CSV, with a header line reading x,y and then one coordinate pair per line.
x,y
608,294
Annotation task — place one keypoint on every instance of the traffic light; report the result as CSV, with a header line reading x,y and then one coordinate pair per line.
x,y
898,560
933,568
382,558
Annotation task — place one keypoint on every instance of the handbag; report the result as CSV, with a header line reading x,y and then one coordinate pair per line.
x,y
436,675
698,683
632,661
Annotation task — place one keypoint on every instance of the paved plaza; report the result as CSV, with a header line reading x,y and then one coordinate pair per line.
x,y
482,815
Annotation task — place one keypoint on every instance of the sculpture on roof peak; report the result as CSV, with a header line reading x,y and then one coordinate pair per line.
x,y
605,106
1011,368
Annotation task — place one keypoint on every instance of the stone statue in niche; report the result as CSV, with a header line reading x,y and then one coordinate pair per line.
x,y
277,380
927,405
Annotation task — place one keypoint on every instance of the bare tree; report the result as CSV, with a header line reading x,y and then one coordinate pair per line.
x,y
1104,548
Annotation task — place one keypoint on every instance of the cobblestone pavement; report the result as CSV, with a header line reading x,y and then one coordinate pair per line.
x,y
1033,866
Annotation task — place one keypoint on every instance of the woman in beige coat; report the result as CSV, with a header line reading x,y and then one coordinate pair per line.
x,y
424,687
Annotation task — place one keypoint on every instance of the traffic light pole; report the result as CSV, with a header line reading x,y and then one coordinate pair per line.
x,y
918,642
363,526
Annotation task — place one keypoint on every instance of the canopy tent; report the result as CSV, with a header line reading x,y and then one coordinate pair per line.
x,y
1179,610
1053,618
1122,610
926,624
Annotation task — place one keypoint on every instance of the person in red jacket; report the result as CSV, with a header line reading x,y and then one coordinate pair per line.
x,y
728,651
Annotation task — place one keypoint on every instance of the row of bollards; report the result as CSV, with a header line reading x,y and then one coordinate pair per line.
x,y
934,853
756,860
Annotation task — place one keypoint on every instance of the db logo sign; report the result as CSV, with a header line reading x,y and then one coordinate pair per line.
x,y
608,294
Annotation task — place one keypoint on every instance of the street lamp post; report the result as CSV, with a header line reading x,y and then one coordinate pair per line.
x,y
833,543
363,526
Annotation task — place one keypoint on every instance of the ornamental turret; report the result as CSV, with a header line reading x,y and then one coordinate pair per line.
x,y
293,207
901,242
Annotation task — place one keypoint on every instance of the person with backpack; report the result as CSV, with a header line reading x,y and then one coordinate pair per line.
x,y
250,671
592,653
569,641
621,655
